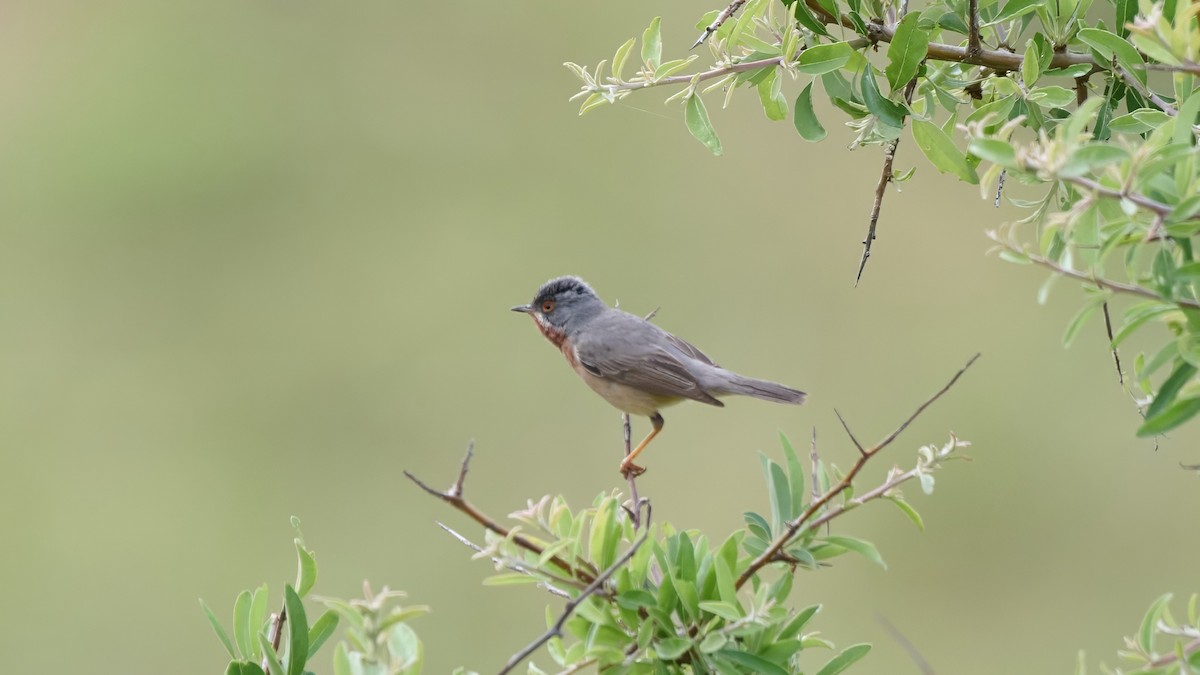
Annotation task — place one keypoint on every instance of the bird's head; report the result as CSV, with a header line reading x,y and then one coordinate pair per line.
x,y
560,305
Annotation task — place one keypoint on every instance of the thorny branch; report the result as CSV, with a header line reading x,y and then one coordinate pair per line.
x,y
514,566
455,497
1111,285
595,585
722,17
974,44
774,552
885,177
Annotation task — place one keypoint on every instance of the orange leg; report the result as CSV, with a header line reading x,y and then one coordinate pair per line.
x,y
628,468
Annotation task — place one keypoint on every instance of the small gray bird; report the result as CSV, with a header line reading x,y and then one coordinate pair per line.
x,y
636,366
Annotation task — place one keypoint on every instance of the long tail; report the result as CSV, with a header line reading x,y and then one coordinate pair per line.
x,y
768,391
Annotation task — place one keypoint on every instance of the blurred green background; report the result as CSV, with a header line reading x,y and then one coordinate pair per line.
x,y
257,258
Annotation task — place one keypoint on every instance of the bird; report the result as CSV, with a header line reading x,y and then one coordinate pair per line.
x,y
633,364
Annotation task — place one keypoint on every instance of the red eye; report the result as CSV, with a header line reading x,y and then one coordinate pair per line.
x,y
547,307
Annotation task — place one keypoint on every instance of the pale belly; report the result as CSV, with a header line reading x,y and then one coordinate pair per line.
x,y
625,398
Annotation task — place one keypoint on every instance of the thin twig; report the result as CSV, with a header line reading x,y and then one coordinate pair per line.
x,y
455,497
1091,278
1188,67
849,433
816,462
516,567
1116,357
1000,186
1184,653
793,526
1136,84
722,17
556,629
974,44
906,645
275,634
634,510
885,177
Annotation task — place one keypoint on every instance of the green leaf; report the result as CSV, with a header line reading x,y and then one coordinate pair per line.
x,y
906,51
781,497
306,572
618,62
258,617
757,524
241,623
320,631
864,548
1014,8
672,648
604,521
805,17
940,151
993,150
696,117
713,642
1167,392
1170,418
1110,45
725,610
1051,96
909,511
406,648
1186,118
846,659
887,111
341,660
297,631
269,654
1135,319
1081,318
1146,632
756,664
1031,67
771,97
795,474
824,58
652,43
216,626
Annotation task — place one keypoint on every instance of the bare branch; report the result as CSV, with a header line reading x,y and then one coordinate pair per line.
x,y
1091,278
885,177
1116,357
1000,186
849,433
516,567
794,526
816,461
455,497
635,508
906,644
1136,84
595,585
723,16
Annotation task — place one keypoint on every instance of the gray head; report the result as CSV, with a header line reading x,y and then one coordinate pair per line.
x,y
561,305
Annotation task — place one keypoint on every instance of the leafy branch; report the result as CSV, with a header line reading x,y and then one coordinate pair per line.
x,y
775,551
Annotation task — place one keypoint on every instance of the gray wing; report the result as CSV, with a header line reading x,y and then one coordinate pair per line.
x,y
638,354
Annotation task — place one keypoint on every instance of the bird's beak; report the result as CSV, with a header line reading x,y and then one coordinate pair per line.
x,y
523,308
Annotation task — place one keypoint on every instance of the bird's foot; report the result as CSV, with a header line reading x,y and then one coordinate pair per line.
x,y
630,470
